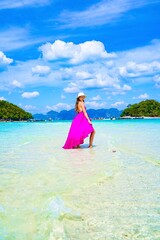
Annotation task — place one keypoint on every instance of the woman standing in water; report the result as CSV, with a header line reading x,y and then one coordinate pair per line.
x,y
81,126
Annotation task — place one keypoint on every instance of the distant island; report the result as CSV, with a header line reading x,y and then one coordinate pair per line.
x,y
147,108
95,114
11,112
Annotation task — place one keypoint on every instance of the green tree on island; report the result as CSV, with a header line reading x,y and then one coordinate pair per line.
x,y
9,111
147,108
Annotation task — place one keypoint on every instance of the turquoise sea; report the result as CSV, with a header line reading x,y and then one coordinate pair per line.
x,y
109,192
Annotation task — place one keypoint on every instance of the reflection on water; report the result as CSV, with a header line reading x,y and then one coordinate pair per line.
x,y
109,192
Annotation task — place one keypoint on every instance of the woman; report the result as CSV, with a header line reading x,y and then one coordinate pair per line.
x,y
81,126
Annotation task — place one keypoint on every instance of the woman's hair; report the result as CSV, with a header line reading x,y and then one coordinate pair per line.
x,y
76,104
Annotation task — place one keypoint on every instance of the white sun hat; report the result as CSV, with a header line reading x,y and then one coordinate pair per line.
x,y
81,94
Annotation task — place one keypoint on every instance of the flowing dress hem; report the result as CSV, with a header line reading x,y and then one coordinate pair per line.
x,y
76,142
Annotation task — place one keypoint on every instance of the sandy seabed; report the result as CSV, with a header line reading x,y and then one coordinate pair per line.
x,y
109,192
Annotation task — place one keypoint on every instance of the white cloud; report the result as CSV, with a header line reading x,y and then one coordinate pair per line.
x,y
119,103
119,90
4,60
83,75
126,87
60,106
6,4
62,96
156,79
95,105
22,73
30,94
96,98
41,70
16,83
114,93
140,55
100,80
87,75
16,38
142,96
29,107
2,98
133,69
72,88
100,13
75,53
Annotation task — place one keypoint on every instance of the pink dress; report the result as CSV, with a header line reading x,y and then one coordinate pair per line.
x,y
79,130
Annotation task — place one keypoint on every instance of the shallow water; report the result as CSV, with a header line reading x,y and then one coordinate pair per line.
x,y
111,191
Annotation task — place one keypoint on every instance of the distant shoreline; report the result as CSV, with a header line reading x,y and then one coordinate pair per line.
x,y
97,119
139,117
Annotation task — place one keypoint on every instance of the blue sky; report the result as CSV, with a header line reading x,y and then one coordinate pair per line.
x,y
52,49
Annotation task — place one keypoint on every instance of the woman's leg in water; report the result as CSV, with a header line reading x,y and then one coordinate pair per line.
x,y
91,138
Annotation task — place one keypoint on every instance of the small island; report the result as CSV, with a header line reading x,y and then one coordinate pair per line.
x,y
143,109
11,112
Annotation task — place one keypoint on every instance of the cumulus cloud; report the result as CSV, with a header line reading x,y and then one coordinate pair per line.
x,y
125,87
88,75
72,88
132,69
118,89
22,73
16,83
142,96
41,70
60,106
95,105
83,75
156,79
98,80
75,53
2,98
96,98
30,94
140,55
4,60
119,103
29,107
